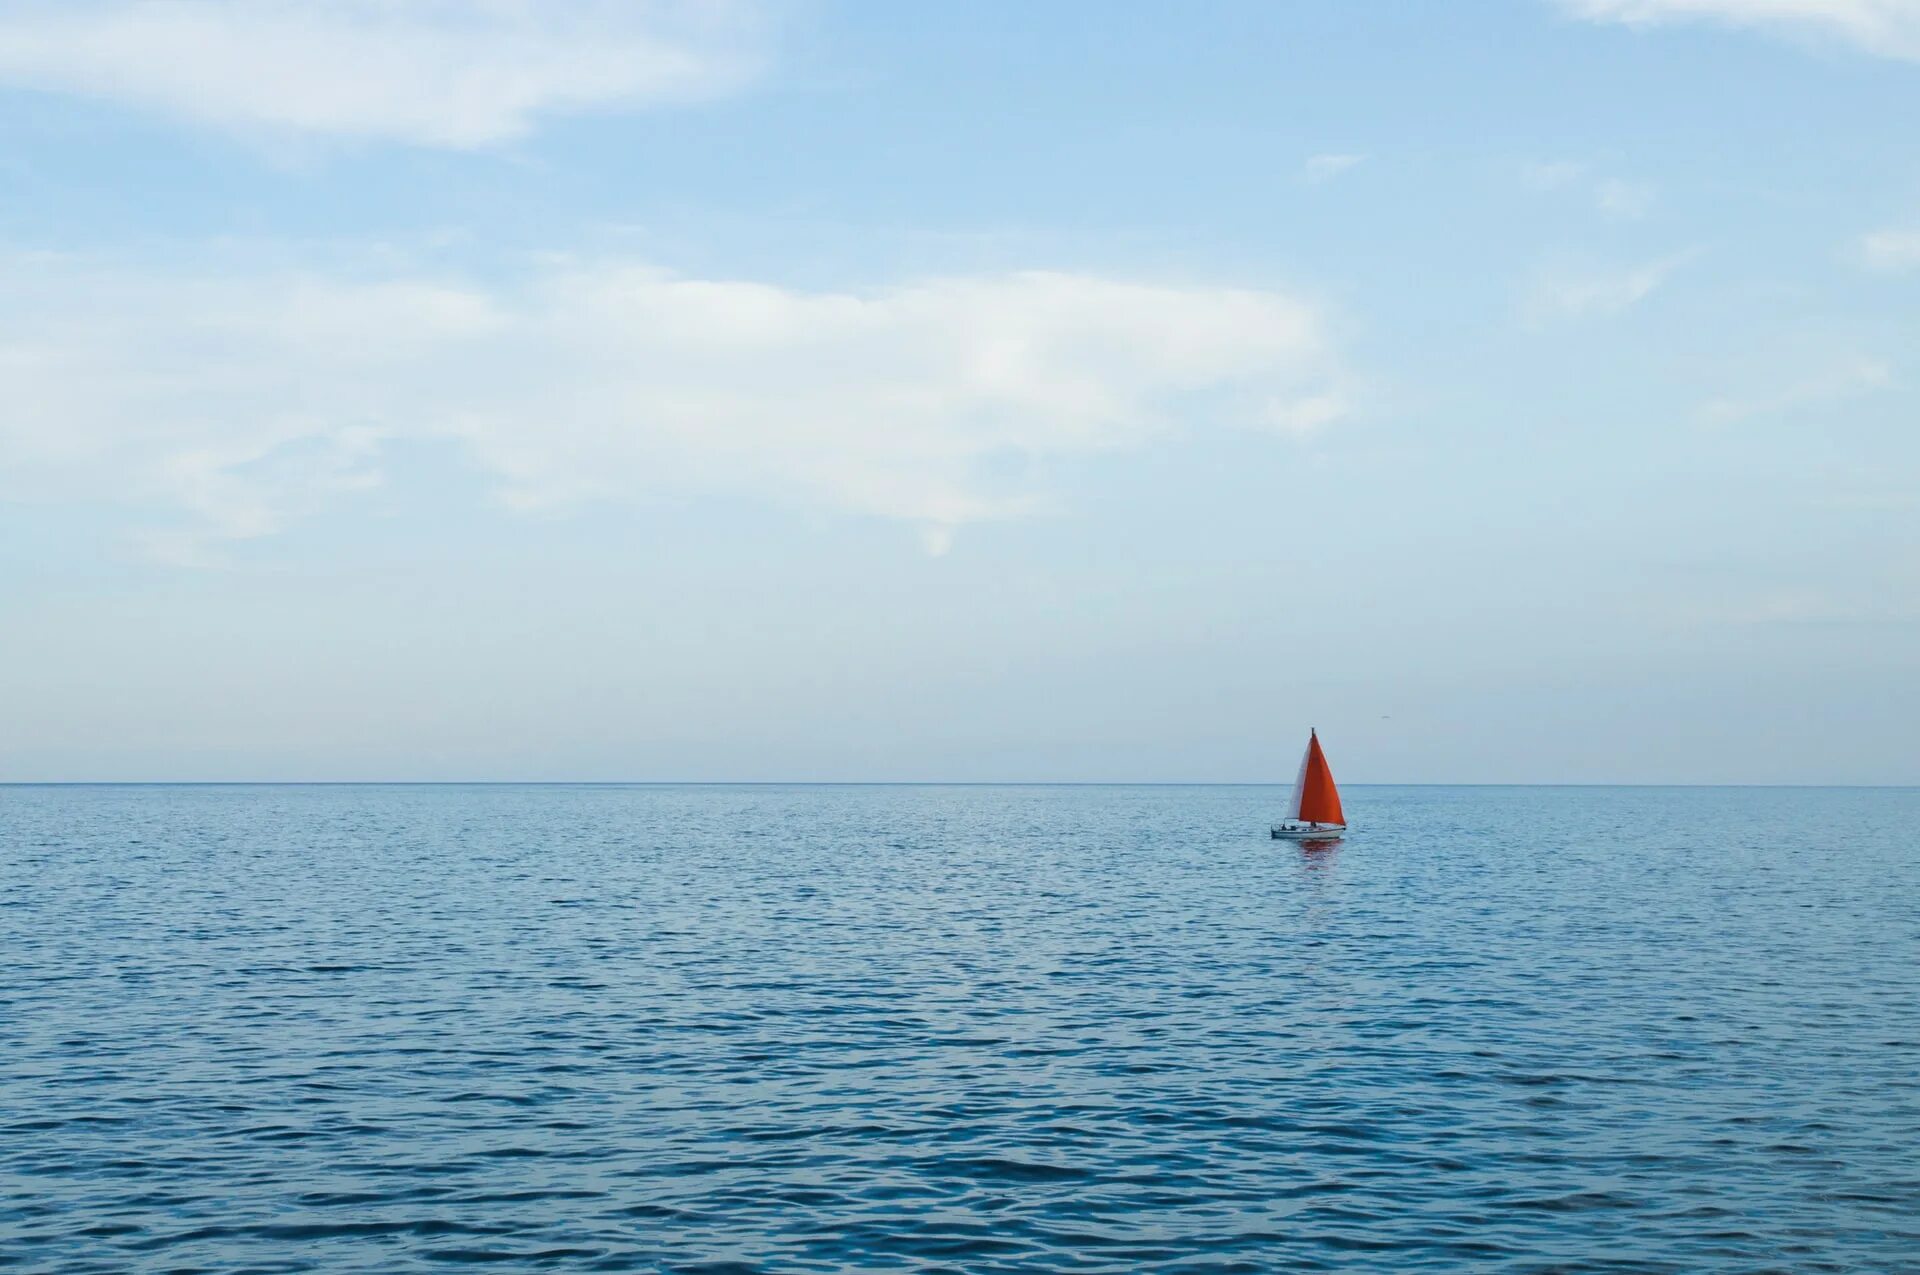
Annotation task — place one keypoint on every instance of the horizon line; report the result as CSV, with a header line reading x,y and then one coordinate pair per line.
x,y
881,783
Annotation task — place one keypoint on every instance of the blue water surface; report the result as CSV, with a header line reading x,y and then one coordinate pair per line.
x,y
744,1029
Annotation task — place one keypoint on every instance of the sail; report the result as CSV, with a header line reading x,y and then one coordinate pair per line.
x,y
1315,799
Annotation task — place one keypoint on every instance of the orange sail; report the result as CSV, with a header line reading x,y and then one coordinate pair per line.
x,y
1315,799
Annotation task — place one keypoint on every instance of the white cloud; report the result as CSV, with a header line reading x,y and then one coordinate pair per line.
x,y
1578,294
244,400
1321,169
1891,250
1888,28
1628,201
1847,378
1555,174
455,73
1792,606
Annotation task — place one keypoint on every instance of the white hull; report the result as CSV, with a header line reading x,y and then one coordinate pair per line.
x,y
1308,832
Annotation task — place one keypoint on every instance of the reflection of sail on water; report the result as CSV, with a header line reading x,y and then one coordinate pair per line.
x,y
1315,799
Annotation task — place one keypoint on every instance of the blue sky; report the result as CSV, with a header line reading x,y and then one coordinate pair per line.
x,y
590,389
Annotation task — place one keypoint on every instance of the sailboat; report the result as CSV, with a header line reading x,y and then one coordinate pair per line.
x,y
1315,814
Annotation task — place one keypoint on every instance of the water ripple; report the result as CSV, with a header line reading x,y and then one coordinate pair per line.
x,y
955,1029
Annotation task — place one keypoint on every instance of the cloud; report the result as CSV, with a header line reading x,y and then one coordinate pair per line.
x,y
1587,293
1321,169
1627,201
1801,607
1848,378
450,73
1891,250
1886,28
242,400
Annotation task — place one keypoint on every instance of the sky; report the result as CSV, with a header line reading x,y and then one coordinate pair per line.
x,y
1517,391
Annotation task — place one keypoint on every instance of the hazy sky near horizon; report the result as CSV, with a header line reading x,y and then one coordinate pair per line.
x,y
594,389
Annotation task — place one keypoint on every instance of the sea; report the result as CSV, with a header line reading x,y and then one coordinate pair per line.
x,y
1080,1029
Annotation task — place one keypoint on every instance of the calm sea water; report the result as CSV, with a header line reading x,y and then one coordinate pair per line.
x,y
957,1029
